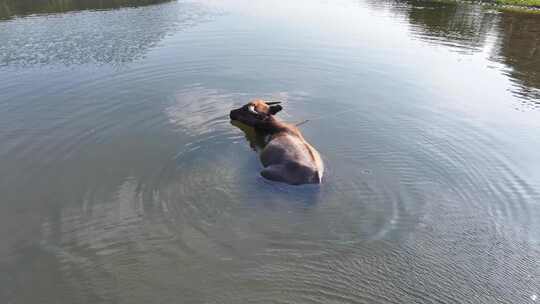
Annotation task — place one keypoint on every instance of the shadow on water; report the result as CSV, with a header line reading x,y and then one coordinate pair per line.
x,y
13,8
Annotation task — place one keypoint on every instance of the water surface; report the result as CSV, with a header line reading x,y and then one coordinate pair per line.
x,y
123,181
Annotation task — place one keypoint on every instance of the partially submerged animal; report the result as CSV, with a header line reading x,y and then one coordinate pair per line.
x,y
286,156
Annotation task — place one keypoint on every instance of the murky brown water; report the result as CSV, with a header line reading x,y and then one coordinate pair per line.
x,y
123,181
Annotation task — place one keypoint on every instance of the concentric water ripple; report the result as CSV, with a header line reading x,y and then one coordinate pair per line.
x,y
123,179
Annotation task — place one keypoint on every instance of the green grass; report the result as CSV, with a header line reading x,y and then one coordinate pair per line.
x,y
532,3
524,6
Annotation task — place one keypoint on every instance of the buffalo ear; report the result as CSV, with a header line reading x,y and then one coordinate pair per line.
x,y
274,109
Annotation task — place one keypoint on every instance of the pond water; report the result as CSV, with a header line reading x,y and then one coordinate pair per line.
x,y
123,181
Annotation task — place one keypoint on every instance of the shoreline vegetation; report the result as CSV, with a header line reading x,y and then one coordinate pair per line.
x,y
526,3
12,8
520,5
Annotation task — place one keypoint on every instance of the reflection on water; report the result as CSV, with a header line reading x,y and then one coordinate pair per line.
x,y
10,8
450,23
123,180
115,37
519,49
468,28
255,139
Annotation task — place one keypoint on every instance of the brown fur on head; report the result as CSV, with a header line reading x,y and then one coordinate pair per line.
x,y
262,106
255,112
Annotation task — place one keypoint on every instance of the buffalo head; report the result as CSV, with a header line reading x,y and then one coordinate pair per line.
x,y
255,112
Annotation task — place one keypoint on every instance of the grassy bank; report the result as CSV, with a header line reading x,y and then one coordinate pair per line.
x,y
530,3
529,6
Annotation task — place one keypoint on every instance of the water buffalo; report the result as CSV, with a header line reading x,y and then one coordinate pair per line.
x,y
286,156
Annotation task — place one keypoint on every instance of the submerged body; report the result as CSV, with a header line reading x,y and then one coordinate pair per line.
x,y
289,158
286,156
